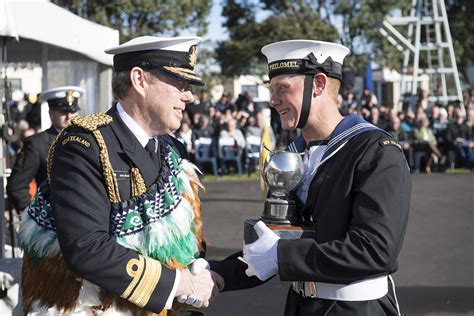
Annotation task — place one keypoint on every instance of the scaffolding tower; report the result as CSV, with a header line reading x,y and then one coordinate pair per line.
x,y
427,49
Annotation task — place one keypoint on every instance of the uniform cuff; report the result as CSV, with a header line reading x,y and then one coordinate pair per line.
x,y
169,302
285,264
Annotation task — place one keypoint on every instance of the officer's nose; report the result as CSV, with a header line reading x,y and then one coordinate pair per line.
x,y
187,97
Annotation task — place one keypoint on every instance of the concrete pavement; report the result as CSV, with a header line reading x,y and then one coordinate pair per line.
x,y
436,265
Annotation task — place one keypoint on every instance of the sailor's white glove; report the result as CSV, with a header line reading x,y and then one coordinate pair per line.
x,y
197,266
6,281
261,255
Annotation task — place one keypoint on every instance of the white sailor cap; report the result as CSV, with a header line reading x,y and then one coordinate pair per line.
x,y
174,55
305,57
63,98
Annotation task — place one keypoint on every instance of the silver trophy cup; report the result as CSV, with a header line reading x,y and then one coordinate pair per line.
x,y
282,172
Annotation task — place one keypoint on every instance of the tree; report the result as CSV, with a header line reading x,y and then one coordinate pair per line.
x,y
287,20
462,30
134,18
308,19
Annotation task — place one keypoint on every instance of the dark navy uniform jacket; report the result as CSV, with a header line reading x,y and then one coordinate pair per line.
x,y
30,164
359,201
82,208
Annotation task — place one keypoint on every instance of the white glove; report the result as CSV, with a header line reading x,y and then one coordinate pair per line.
x,y
197,266
261,255
6,281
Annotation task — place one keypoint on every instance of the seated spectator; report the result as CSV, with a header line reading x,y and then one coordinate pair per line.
x,y
232,139
426,147
457,132
204,103
186,136
206,129
231,131
196,121
377,120
350,103
466,143
440,129
402,137
224,103
408,123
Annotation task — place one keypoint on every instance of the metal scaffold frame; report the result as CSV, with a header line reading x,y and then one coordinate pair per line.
x,y
428,16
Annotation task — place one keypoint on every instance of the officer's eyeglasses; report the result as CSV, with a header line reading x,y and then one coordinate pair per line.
x,y
180,84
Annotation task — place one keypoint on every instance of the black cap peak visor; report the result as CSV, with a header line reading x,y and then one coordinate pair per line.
x,y
67,104
179,64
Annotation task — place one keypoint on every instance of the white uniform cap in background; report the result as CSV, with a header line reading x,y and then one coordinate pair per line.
x,y
63,98
61,92
17,95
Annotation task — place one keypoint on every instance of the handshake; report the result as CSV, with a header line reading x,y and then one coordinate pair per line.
x,y
198,285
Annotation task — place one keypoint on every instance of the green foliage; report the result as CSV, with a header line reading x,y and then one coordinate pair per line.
x,y
289,20
462,29
143,17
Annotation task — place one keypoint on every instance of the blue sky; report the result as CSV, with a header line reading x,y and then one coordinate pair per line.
x,y
215,30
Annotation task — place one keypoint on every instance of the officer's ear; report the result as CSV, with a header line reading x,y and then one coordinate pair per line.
x,y
138,80
320,82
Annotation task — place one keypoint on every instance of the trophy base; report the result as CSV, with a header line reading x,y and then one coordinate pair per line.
x,y
283,231
279,211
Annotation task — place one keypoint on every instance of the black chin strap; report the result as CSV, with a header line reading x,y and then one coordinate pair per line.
x,y
308,91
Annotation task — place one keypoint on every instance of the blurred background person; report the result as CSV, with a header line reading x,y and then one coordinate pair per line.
x,y
31,162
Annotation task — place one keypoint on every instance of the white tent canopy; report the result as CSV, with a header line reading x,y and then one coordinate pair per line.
x,y
43,21
70,49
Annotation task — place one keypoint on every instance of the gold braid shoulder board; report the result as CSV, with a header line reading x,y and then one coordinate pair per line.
x,y
92,123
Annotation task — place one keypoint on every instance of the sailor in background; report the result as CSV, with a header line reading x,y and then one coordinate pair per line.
x,y
115,227
31,160
355,193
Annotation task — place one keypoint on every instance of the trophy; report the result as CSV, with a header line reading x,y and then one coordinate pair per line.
x,y
282,172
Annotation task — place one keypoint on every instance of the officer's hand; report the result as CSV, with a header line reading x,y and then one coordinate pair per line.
x,y
199,289
196,267
261,255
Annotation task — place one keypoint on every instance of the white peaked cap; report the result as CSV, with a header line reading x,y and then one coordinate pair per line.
x,y
178,44
61,92
174,55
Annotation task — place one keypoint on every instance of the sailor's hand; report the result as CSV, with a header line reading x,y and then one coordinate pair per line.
x,y
261,255
6,282
198,265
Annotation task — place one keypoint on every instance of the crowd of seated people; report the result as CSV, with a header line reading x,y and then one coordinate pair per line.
x,y
433,136
223,137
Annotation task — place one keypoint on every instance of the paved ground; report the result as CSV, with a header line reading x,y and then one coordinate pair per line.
x,y
436,266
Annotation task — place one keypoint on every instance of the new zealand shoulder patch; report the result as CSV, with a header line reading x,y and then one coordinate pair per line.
x,y
77,139
390,142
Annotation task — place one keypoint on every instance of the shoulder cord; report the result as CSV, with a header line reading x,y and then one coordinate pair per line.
x,y
91,124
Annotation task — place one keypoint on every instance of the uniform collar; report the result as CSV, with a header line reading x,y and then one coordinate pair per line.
x,y
136,129
349,127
